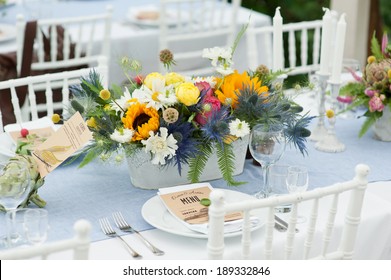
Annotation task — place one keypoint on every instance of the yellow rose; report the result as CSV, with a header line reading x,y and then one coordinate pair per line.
x,y
173,78
152,76
187,93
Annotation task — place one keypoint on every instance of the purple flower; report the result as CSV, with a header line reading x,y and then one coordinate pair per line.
x,y
375,104
370,92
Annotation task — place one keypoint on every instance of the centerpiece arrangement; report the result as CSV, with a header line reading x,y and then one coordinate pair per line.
x,y
171,121
373,90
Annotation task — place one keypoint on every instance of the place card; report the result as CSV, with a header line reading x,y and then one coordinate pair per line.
x,y
64,142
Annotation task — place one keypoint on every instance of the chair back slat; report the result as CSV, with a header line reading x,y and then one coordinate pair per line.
x,y
246,237
329,224
355,188
290,235
33,103
311,228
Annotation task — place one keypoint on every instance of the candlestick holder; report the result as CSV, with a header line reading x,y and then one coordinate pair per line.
x,y
320,131
330,143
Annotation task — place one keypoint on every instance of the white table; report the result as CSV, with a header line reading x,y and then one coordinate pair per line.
x,y
128,39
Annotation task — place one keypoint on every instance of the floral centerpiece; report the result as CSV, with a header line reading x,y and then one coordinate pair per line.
x,y
178,120
373,90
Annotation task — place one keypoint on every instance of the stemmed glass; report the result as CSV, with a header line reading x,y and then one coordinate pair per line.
x,y
297,182
267,144
15,186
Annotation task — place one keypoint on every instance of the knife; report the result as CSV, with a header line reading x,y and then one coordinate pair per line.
x,y
282,222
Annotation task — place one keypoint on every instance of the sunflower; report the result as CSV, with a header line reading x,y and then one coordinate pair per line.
x,y
142,120
233,83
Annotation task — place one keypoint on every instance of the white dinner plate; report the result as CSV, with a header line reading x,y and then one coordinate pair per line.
x,y
132,16
156,214
7,32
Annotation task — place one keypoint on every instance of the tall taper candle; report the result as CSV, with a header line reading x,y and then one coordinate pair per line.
x,y
339,48
277,41
326,42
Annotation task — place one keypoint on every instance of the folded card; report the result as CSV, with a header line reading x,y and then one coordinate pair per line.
x,y
184,203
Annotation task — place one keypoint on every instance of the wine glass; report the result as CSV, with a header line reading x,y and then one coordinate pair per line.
x,y
15,186
267,144
297,182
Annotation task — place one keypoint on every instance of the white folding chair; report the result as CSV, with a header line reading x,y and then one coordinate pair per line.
x,y
327,197
79,244
60,80
90,34
188,26
296,35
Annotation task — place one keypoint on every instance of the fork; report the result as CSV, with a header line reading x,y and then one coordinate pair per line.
x,y
124,226
109,231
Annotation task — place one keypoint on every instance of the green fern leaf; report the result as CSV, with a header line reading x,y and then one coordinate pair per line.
x,y
197,164
375,48
226,162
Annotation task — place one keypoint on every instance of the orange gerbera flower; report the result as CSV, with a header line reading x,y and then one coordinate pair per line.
x,y
142,120
232,84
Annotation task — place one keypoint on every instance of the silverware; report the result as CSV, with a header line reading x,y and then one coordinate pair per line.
x,y
109,231
124,226
279,227
282,222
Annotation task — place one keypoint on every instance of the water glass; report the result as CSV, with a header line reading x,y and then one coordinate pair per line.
x,y
26,226
297,182
36,225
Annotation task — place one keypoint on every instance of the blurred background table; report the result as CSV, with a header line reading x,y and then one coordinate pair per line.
x,y
128,38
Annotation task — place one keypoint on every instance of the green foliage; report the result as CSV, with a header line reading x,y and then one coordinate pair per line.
x,y
375,48
197,163
226,162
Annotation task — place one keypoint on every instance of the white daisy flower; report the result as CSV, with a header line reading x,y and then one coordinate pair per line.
x,y
159,96
122,104
239,128
122,136
161,147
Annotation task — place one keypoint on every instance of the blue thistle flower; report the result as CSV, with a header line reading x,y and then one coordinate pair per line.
x,y
186,142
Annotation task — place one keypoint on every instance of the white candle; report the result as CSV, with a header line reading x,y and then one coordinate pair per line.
x,y
277,41
326,42
339,49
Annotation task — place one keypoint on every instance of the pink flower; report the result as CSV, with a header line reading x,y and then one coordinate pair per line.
x,y
354,74
375,104
345,99
370,92
384,44
210,104
205,86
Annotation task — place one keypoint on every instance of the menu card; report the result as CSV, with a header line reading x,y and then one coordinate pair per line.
x,y
184,203
71,136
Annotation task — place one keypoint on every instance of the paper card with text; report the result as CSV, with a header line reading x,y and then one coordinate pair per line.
x,y
70,137
186,204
